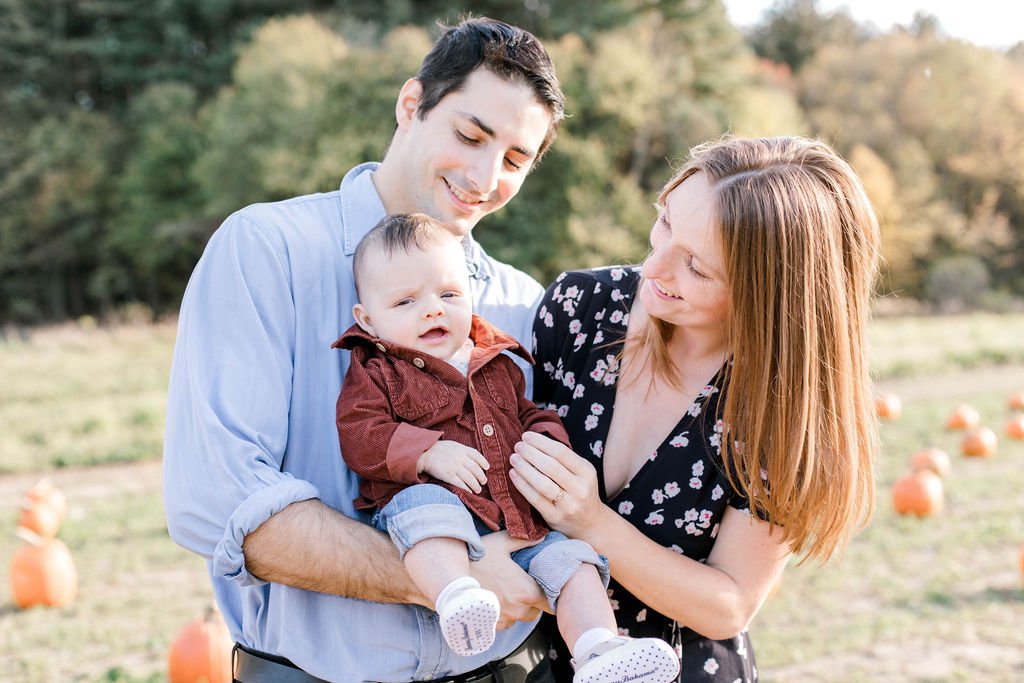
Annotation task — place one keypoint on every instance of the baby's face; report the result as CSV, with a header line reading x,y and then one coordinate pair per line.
x,y
419,299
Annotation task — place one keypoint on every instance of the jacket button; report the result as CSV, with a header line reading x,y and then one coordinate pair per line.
x,y
488,430
381,347
418,362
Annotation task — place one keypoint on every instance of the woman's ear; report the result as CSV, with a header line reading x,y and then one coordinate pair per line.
x,y
408,101
362,317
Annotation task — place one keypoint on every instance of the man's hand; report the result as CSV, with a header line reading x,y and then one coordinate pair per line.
x,y
455,464
520,597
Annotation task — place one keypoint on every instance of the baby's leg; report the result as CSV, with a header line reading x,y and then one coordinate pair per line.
x,y
433,563
583,605
437,538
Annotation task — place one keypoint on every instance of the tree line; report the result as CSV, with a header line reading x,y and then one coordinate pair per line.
x,y
132,130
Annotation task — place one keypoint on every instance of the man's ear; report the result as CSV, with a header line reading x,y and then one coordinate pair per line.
x,y
362,317
408,102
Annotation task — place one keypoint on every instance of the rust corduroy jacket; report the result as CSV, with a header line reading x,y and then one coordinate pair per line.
x,y
396,402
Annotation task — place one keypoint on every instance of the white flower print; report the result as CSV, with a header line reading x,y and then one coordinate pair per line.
x,y
617,295
597,287
625,320
575,326
717,492
658,496
562,411
691,515
578,391
741,647
695,483
654,455
569,379
542,311
679,523
698,468
597,408
598,337
599,369
625,507
549,320
624,632
692,529
672,489
642,615
617,273
569,306
599,315
597,448
709,390
714,531
675,548
572,292
590,422
680,440
693,410
612,601
549,367
578,342
711,665
705,518
655,518
616,316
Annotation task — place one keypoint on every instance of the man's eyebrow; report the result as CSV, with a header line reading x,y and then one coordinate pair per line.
x,y
489,132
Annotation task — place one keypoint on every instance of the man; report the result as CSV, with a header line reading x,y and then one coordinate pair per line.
x,y
254,480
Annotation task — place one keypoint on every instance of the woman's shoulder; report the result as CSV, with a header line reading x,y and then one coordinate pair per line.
x,y
592,280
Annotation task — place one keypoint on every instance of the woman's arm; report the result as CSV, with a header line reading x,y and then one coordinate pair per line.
x,y
716,599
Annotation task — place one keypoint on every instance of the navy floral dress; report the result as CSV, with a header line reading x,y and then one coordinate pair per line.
x,y
677,498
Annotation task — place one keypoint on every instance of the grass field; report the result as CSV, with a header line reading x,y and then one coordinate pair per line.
x,y
937,599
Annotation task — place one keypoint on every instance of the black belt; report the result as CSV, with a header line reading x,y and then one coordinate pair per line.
x,y
251,666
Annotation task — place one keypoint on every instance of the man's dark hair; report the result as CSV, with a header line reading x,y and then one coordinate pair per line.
x,y
394,232
506,51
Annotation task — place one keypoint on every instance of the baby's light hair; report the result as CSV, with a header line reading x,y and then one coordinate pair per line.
x,y
405,231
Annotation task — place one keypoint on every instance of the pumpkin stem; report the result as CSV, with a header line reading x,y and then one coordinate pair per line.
x,y
211,613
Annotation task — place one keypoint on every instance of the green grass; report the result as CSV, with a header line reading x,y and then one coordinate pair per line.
x,y
937,599
73,397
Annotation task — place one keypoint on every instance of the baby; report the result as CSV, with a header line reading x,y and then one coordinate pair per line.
x,y
428,415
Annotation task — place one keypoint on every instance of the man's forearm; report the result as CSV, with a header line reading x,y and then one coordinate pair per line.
x,y
308,545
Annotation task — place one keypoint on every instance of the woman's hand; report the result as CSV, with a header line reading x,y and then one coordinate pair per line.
x,y
561,485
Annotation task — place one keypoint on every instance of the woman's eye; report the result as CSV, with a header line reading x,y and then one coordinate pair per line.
x,y
465,138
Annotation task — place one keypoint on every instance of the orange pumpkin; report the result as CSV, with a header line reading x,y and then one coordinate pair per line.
x,y
1017,400
931,458
888,406
963,417
201,652
979,443
918,493
44,492
42,572
1015,427
40,518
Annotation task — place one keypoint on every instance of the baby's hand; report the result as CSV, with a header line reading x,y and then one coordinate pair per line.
x,y
455,464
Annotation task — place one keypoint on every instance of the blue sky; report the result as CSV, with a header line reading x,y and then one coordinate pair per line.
x,y
993,23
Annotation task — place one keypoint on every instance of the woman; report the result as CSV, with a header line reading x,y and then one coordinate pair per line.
x,y
718,395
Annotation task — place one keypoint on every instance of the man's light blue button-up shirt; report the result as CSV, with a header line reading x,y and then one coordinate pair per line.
x,y
251,425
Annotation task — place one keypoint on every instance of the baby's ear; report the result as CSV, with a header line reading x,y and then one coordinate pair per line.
x,y
363,319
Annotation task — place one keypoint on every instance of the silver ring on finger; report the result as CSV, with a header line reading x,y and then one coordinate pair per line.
x,y
558,498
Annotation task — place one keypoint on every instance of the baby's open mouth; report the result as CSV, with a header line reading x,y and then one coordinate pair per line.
x,y
434,333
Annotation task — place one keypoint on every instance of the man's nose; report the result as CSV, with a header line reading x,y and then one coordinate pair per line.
x,y
484,172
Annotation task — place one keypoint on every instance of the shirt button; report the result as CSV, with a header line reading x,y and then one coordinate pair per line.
x,y
488,430
381,347
418,362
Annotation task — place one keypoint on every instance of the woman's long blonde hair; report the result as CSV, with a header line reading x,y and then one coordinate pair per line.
x,y
800,242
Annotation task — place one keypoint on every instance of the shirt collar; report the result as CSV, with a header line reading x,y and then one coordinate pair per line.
x,y
361,207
